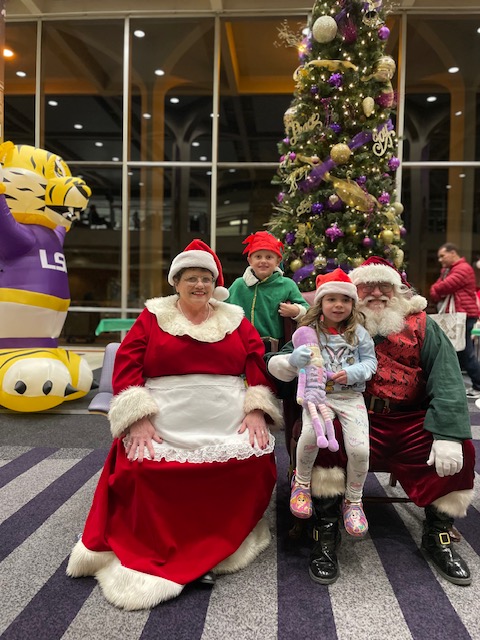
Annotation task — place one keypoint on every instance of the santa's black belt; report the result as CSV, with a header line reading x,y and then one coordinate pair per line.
x,y
384,405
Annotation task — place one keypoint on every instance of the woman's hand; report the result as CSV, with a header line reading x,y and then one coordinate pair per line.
x,y
140,435
257,428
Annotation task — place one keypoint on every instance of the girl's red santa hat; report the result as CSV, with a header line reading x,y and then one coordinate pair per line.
x,y
335,282
377,269
262,241
198,255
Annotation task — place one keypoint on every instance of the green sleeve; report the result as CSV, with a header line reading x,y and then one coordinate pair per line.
x,y
295,296
447,415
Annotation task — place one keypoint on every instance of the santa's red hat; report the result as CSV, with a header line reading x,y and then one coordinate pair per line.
x,y
335,282
376,269
262,241
198,255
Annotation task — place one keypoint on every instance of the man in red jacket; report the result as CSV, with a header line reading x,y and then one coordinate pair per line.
x,y
457,278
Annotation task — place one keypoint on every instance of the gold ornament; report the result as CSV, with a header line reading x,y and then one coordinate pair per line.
x,y
368,106
398,206
398,258
289,117
324,29
357,261
351,229
384,69
333,199
320,262
387,236
340,153
295,265
390,214
331,65
351,193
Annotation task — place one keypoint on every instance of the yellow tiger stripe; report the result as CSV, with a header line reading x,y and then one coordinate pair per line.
x,y
34,299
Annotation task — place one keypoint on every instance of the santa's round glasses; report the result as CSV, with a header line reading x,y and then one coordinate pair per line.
x,y
368,287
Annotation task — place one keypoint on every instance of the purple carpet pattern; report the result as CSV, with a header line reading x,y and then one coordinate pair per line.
x,y
385,590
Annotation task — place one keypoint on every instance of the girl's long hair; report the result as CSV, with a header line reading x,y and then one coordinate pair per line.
x,y
313,318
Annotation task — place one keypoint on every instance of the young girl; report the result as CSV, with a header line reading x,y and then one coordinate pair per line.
x,y
349,356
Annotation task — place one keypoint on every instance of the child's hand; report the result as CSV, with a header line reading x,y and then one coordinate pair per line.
x,y
340,377
287,310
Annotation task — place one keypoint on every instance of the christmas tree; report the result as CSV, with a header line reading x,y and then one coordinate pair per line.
x,y
337,203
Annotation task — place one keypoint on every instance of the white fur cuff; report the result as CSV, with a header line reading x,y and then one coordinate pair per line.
x,y
455,503
260,397
129,406
327,483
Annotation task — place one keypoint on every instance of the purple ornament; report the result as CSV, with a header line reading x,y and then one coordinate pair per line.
x,y
384,198
280,196
335,127
384,33
367,242
286,140
290,237
349,33
403,232
393,163
282,158
333,232
335,80
361,180
292,155
335,203
314,90
317,207
309,255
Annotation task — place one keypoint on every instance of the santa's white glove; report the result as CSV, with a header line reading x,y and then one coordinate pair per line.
x,y
300,357
447,456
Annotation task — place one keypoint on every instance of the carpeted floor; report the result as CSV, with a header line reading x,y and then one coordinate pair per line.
x,y
49,465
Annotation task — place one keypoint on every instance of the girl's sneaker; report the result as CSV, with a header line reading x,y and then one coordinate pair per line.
x,y
300,500
354,519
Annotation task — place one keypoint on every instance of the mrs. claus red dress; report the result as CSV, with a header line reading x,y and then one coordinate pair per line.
x,y
157,525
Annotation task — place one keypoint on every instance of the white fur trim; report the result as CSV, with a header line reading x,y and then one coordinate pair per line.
x,y
221,293
83,562
194,259
343,288
375,273
256,542
251,279
122,587
455,504
224,319
301,312
416,304
129,406
328,482
260,397
280,368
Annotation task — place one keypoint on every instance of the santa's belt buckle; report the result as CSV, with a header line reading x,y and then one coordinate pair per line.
x,y
379,405
444,537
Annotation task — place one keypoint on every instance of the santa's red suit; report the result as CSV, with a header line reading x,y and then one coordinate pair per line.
x,y
157,525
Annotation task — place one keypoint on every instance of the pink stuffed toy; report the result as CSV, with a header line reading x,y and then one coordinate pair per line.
x,y
311,388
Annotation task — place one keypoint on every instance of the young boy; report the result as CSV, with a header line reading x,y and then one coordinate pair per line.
x,y
263,292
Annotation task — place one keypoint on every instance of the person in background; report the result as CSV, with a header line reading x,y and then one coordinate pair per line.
x,y
419,424
348,355
263,292
191,469
457,278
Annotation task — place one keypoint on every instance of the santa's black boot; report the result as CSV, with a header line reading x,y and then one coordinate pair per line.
x,y
323,558
438,548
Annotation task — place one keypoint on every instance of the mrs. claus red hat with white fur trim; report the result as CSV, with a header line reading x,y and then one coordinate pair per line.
x,y
376,269
335,282
198,255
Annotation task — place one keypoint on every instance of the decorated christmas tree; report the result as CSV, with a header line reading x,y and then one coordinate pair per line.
x,y
337,204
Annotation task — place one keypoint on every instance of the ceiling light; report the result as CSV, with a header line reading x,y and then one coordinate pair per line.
x,y
147,116
140,184
130,173
52,103
209,173
195,144
138,33
432,99
174,100
203,158
115,159
231,170
8,53
159,72
449,186
99,144
458,113
21,74
226,202
78,126
454,70
461,175
306,31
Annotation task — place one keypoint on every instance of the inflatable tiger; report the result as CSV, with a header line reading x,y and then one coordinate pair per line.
x,y
39,199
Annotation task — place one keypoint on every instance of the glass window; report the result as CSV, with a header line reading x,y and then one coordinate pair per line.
x,y
82,85
19,99
171,89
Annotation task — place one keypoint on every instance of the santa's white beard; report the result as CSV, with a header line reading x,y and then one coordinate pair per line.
x,y
383,322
